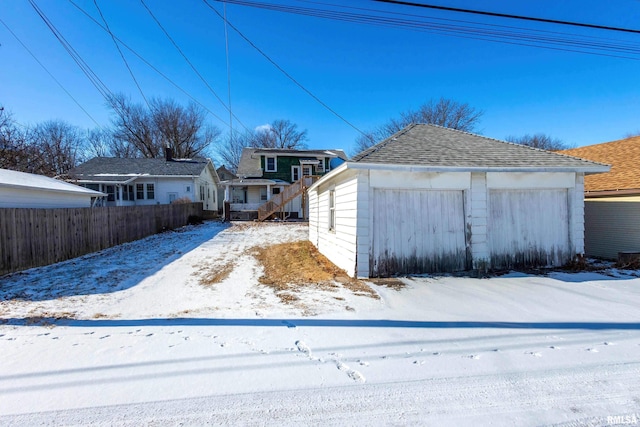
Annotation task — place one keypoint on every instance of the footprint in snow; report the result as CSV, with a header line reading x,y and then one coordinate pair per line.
x,y
473,356
418,362
608,343
534,353
554,347
303,348
148,335
592,350
106,336
351,373
363,363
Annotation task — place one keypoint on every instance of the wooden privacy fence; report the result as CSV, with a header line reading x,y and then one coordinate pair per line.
x,y
36,237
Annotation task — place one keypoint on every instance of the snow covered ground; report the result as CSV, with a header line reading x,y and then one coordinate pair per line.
x,y
134,335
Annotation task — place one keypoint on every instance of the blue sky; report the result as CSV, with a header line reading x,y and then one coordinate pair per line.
x,y
366,73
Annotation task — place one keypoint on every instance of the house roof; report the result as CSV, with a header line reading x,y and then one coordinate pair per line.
x,y
436,146
9,178
114,169
249,165
624,157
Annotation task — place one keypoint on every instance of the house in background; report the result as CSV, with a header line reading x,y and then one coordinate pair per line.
x,y
142,181
271,181
26,190
225,175
431,199
612,199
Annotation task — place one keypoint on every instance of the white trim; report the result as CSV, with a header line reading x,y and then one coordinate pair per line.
x,y
275,163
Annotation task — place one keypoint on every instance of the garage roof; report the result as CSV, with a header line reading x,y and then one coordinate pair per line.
x,y
431,145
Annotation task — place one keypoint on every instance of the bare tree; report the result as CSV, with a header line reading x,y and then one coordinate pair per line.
x,y
145,132
280,134
230,151
539,140
12,147
444,112
183,129
56,148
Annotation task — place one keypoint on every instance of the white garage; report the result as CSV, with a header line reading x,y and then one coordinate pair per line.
x,y
431,199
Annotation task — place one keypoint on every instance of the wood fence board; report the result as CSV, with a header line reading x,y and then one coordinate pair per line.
x,y
36,237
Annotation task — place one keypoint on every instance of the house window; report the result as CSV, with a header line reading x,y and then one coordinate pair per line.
x,y
263,194
307,170
320,166
187,189
295,173
275,190
151,193
127,192
270,164
111,193
139,191
332,210
202,193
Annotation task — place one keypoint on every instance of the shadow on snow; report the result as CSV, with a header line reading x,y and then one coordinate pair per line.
x,y
331,323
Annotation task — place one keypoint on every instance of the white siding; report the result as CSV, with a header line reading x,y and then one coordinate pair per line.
x,y
417,231
611,227
528,228
338,245
478,222
37,198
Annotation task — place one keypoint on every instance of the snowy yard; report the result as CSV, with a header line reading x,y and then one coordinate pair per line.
x,y
141,335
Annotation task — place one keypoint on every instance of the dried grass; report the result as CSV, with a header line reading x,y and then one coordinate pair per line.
x,y
391,283
209,275
291,267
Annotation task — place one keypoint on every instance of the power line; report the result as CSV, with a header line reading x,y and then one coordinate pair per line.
x,y
150,65
95,2
50,74
86,69
289,76
506,15
191,64
461,29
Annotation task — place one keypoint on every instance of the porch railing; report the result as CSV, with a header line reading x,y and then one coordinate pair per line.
x,y
289,193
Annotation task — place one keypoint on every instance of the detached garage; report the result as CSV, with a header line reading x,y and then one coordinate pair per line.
x,y
431,199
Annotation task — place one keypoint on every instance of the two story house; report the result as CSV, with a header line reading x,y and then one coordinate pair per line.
x,y
272,182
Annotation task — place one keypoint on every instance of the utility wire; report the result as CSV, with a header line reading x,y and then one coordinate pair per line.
x,y
191,64
86,69
468,30
506,15
95,2
226,44
289,76
150,65
50,74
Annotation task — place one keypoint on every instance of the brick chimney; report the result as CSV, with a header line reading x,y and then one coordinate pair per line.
x,y
168,154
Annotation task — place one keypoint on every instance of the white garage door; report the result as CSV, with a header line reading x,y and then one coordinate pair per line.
x,y
528,228
417,231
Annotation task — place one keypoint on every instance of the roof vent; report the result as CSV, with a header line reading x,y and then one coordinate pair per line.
x,y
168,153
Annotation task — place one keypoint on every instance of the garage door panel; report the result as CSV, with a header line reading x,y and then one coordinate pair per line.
x,y
528,228
417,231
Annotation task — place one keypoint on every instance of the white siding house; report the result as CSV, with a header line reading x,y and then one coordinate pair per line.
x,y
431,199
135,182
26,190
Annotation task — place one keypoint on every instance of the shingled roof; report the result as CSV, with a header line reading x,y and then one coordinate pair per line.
x,y
623,156
105,169
431,145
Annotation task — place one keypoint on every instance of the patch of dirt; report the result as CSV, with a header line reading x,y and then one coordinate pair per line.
x,y
391,283
290,267
209,275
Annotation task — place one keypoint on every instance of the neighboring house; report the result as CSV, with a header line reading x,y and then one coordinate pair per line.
x,y
225,175
612,199
133,182
273,181
26,190
431,199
